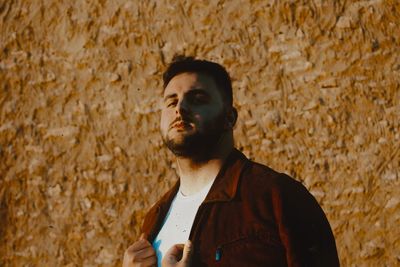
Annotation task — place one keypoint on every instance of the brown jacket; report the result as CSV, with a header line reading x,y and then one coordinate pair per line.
x,y
254,216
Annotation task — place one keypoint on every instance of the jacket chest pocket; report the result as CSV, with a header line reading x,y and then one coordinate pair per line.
x,y
253,248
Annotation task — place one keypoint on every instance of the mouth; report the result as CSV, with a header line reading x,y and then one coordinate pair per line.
x,y
181,125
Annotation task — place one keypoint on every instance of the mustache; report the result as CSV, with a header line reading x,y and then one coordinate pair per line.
x,y
179,119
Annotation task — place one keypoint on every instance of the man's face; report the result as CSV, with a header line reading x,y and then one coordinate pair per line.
x,y
193,115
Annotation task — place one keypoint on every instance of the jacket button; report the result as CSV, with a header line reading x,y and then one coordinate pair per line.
x,y
218,254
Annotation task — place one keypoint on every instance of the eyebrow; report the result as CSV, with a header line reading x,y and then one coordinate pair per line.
x,y
169,96
191,92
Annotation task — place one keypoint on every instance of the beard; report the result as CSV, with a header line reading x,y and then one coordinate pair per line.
x,y
199,146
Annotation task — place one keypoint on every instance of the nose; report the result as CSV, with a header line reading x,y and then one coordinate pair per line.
x,y
182,108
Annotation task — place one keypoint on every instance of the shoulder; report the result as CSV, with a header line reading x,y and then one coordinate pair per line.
x,y
266,180
261,183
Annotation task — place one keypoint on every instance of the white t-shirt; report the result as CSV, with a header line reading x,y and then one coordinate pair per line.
x,y
178,221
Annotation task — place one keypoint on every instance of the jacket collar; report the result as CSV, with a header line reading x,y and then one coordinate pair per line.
x,y
226,183
224,188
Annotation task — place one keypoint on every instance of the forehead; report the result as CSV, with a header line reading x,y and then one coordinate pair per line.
x,y
188,81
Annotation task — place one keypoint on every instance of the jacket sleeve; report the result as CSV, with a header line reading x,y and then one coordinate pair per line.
x,y
303,226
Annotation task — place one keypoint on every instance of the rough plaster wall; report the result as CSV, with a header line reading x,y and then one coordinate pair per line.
x,y
316,85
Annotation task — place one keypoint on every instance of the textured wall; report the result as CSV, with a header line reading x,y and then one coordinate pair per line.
x,y
317,86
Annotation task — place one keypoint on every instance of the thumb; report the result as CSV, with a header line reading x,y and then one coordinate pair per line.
x,y
187,252
143,236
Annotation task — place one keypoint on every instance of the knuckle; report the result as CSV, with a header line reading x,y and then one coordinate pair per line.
x,y
129,252
152,252
134,257
152,258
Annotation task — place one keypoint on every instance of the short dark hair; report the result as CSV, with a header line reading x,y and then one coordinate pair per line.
x,y
181,64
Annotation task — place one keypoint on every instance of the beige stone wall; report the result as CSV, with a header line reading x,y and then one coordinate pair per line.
x,y
317,86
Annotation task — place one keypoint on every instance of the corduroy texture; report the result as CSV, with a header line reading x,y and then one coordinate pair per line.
x,y
316,84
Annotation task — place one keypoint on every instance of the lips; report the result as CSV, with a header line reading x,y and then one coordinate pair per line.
x,y
181,125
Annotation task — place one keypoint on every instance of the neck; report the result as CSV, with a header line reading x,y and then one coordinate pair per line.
x,y
194,175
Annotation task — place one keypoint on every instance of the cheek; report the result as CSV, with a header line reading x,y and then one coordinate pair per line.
x,y
200,119
165,120
212,120
202,122
208,116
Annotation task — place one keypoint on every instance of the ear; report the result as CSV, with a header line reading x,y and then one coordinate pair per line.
x,y
231,118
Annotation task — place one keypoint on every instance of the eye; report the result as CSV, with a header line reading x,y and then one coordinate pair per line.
x,y
200,98
171,103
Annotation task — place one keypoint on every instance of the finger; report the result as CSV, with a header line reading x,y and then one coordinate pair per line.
x,y
151,261
173,254
176,251
187,252
143,236
139,245
144,253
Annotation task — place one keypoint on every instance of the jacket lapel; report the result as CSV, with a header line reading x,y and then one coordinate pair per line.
x,y
155,217
226,183
223,189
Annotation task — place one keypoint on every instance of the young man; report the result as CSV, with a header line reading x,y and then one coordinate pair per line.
x,y
235,212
